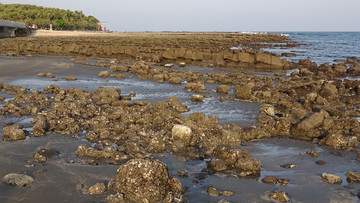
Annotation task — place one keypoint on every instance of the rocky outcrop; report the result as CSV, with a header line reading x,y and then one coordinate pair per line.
x,y
143,180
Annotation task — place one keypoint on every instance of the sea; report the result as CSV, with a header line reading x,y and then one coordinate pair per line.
x,y
322,47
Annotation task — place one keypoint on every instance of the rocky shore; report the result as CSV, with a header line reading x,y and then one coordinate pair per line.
x,y
316,103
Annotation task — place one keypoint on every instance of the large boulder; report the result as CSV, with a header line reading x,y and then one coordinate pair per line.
x,y
222,89
143,180
105,95
13,133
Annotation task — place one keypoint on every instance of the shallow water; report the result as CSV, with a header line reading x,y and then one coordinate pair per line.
x,y
58,179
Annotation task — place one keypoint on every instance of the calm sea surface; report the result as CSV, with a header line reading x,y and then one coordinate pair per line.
x,y
323,46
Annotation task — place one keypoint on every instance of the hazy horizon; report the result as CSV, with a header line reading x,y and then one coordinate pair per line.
x,y
213,15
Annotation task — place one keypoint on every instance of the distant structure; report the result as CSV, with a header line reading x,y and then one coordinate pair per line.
x,y
12,29
103,25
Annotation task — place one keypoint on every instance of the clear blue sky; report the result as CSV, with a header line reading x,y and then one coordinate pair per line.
x,y
216,15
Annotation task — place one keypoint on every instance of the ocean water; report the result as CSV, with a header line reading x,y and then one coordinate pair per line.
x,y
322,47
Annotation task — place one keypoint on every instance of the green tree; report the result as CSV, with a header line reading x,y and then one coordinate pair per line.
x,y
61,24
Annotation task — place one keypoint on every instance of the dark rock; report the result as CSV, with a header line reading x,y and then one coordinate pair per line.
x,y
320,162
288,165
217,165
269,180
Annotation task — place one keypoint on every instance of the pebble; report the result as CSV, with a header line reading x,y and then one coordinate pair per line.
x,y
288,165
269,180
97,189
320,162
280,196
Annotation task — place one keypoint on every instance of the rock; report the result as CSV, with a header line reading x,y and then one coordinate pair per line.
x,y
70,78
104,74
41,75
248,166
288,165
222,89
335,140
197,98
227,193
175,80
116,198
43,154
194,87
40,127
213,192
1,85
18,179
355,177
181,133
329,91
50,75
312,122
97,189
183,173
217,165
13,133
268,109
243,92
340,69
119,68
332,179
320,162
269,180
2,99
159,78
313,153
168,65
182,64
280,196
197,116
143,180
288,54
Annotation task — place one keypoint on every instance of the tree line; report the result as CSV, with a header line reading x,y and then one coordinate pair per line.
x,y
42,17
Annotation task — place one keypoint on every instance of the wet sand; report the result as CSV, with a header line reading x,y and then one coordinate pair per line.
x,y
65,177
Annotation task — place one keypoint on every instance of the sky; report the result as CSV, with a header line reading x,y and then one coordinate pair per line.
x,y
216,15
